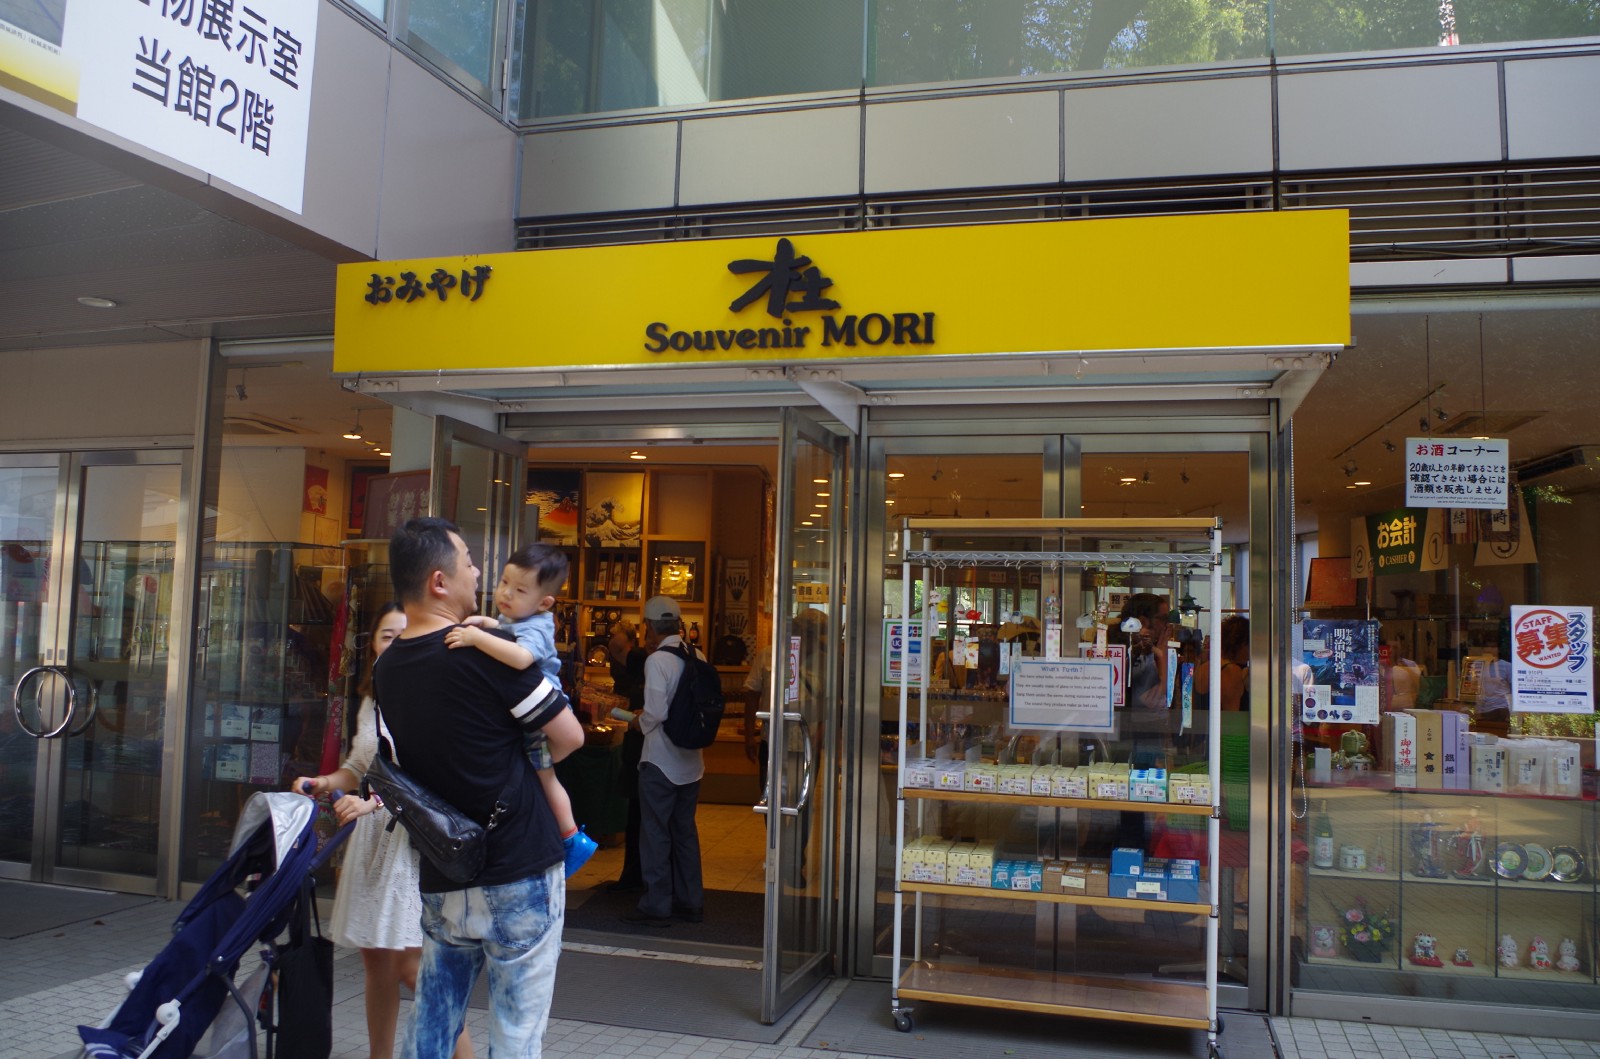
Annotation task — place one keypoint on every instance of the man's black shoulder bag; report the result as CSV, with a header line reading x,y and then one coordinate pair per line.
x,y
453,842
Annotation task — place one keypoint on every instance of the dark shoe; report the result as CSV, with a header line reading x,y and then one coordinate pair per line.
x,y
621,886
689,915
644,919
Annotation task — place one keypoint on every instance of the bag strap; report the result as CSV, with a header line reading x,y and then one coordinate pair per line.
x,y
503,802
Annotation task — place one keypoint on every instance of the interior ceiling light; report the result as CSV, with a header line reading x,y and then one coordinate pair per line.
x,y
239,390
91,301
819,481
385,452
1350,468
637,455
1388,446
1363,483
1128,480
354,433
897,474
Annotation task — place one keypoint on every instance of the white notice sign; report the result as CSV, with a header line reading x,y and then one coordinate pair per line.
x,y
1073,694
1552,659
223,87
1457,472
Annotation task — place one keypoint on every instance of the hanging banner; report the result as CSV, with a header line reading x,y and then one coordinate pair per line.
x,y
1402,541
1343,658
1504,539
902,652
1457,472
1552,659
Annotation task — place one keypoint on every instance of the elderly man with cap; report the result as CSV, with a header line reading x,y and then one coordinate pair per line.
x,y
669,783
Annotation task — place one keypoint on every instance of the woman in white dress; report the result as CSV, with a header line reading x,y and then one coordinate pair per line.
x,y
378,907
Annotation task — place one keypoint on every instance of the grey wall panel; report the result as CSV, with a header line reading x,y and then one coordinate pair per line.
x,y
1489,270
344,145
448,171
624,167
1419,115
1000,140
788,155
1185,128
1550,107
109,390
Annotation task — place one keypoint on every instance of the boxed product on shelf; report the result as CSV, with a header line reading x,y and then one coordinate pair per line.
x,y
980,777
1183,880
1070,782
1027,875
1086,878
1127,861
1042,783
1189,788
1542,766
1429,748
1400,741
919,773
949,775
1147,785
981,863
1014,779
1489,765
958,864
1109,780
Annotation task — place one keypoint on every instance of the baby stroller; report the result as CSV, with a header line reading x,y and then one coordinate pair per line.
x,y
179,1006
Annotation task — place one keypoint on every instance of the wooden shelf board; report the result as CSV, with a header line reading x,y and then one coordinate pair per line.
x,y
948,890
988,797
1533,885
1087,996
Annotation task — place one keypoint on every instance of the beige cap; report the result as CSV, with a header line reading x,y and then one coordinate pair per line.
x,y
662,608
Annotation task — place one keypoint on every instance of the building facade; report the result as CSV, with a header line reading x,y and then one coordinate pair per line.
x,y
197,533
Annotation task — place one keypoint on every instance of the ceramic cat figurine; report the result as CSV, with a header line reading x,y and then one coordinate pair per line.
x,y
1568,958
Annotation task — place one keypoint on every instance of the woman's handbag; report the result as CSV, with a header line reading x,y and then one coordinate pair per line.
x,y
305,984
452,841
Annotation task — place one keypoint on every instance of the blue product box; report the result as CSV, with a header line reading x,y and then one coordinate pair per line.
x,y
1001,880
1128,862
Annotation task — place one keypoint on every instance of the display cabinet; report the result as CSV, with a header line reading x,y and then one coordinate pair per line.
x,y
1458,894
1056,848
266,615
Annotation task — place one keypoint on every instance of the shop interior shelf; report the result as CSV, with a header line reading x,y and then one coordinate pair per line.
x,y
1089,996
1034,896
934,794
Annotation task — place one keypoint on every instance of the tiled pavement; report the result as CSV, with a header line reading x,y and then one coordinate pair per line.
x,y
52,980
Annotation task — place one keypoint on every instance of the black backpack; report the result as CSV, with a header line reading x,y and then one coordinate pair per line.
x,y
697,706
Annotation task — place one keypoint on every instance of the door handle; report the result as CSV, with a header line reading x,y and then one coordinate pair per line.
x,y
807,766
94,708
16,701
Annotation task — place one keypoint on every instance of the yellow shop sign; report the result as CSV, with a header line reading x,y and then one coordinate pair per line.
x,y
1222,281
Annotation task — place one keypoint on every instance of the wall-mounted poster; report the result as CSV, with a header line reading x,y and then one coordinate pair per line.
x,y
356,499
315,498
555,494
392,499
613,509
1343,684
1552,665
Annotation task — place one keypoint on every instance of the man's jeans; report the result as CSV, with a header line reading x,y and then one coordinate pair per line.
x,y
516,929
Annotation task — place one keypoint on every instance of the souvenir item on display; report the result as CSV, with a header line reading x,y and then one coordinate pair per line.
x,y
1568,958
1470,849
1507,951
1462,958
1365,934
1424,849
1352,858
1353,756
1322,839
1378,863
1324,940
1539,862
1422,953
1510,860
1566,864
1539,954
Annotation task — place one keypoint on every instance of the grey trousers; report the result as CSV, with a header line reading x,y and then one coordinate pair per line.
x,y
669,845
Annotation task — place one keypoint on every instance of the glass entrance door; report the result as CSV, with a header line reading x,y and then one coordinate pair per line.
x,y
806,696
478,478
90,545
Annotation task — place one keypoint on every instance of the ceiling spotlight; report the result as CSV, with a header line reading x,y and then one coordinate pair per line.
x,y
637,455
1442,414
238,391
1349,468
1183,476
1129,480
897,474
1388,446
385,452
354,433
1359,482
90,301
1423,424
1146,478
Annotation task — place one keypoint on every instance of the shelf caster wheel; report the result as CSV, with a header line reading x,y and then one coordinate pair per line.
x,y
1214,1051
902,1021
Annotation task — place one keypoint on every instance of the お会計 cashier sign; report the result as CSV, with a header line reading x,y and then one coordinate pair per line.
x,y
1227,281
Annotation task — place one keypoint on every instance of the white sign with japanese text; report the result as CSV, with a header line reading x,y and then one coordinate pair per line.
x,y
1073,694
222,86
1552,659
1457,472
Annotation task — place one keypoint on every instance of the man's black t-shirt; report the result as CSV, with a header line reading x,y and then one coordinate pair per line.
x,y
449,713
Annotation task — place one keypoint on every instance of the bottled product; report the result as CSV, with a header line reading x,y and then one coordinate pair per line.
x,y
1322,839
